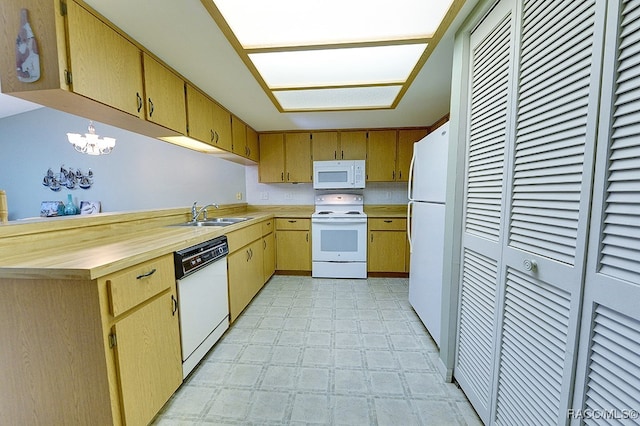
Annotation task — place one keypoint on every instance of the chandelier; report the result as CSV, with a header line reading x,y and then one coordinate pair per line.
x,y
90,143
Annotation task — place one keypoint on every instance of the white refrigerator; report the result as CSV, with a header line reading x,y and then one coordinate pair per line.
x,y
425,211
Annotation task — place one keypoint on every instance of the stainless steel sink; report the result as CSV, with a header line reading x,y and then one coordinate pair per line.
x,y
216,221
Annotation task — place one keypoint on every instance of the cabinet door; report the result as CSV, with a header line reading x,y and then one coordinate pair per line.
x,y
353,146
222,128
406,139
252,145
149,359
104,65
386,251
293,251
245,277
199,116
239,137
325,146
298,157
271,167
269,256
381,155
165,96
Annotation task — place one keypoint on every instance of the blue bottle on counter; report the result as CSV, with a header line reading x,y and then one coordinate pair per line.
x,y
70,208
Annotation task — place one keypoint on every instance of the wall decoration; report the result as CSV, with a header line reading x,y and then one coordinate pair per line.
x,y
67,178
27,56
89,207
51,208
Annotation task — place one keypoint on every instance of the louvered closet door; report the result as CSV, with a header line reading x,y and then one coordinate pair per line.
x,y
549,184
608,373
491,62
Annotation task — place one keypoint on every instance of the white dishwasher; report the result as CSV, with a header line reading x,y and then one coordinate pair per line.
x,y
201,275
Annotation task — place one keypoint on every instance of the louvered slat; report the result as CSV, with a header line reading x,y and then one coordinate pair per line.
x,y
532,351
553,96
613,378
490,70
620,246
475,334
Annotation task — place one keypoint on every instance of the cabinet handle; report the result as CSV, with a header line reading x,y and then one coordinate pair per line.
x,y
393,175
151,108
264,245
174,302
251,253
335,155
371,237
400,175
248,256
287,176
148,274
342,155
139,100
213,135
307,237
282,176
292,221
530,265
388,221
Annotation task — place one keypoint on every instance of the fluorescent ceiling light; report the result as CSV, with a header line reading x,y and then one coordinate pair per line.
x,y
268,23
342,49
333,67
337,99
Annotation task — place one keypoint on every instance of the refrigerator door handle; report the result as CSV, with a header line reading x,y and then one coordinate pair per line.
x,y
410,177
409,204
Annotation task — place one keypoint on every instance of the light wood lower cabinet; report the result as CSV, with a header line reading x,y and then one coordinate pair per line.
x,y
387,245
293,244
149,359
268,249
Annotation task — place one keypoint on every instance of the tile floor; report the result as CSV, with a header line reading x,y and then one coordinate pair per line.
x,y
322,351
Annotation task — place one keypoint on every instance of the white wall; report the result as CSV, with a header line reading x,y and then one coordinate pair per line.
x,y
141,173
303,193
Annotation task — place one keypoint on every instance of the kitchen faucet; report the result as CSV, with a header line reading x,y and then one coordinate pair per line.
x,y
195,213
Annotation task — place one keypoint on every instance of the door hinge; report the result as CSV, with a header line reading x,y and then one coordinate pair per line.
x,y
63,8
112,340
68,78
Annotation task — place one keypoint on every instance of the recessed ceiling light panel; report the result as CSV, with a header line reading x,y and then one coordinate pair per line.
x,y
337,99
260,23
338,67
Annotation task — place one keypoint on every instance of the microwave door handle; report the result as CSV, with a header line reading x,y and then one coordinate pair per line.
x,y
353,174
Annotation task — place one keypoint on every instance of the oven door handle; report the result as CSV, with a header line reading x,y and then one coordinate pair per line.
x,y
336,221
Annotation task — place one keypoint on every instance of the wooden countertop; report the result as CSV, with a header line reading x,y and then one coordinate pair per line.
x,y
89,259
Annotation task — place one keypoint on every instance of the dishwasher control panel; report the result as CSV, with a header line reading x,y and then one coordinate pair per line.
x,y
193,258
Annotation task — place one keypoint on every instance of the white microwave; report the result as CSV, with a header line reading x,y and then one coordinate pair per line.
x,y
338,174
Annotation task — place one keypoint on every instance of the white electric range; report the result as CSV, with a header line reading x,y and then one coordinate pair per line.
x,y
339,237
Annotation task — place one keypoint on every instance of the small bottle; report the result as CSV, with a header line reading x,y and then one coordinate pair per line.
x,y
70,208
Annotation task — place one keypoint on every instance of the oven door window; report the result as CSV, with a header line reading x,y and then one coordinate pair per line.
x,y
339,242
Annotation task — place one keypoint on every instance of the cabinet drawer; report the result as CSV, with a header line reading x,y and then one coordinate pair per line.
x,y
242,237
267,227
293,223
388,224
134,285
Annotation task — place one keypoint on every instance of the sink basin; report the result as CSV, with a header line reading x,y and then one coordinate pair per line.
x,y
216,221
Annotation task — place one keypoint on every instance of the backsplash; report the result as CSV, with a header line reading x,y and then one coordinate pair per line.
x,y
303,193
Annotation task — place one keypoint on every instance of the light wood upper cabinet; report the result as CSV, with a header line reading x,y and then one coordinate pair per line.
x,y
104,65
199,116
271,167
165,96
406,139
381,154
353,145
223,137
325,146
298,157
239,138
285,157
253,147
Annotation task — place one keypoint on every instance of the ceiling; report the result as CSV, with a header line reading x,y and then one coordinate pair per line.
x,y
183,35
